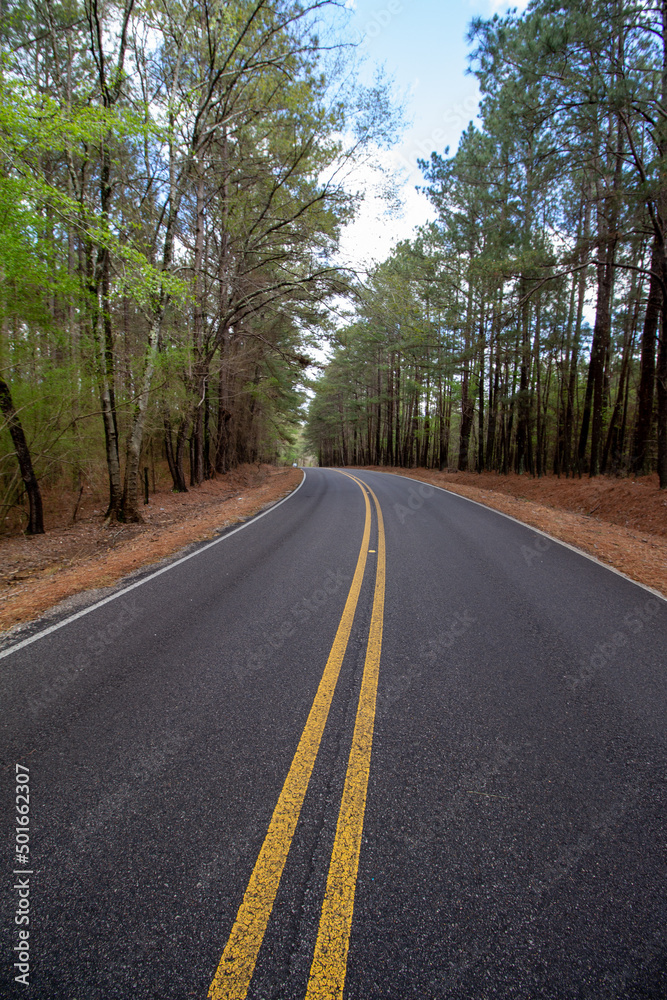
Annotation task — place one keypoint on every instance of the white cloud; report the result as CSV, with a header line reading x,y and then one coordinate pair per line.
x,y
379,225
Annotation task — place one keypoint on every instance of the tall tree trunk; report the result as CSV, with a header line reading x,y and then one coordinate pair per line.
x,y
130,506
563,460
523,431
467,404
537,367
169,446
482,351
108,407
35,510
568,453
426,442
646,391
390,412
612,443
175,457
104,368
661,367
397,413
378,424
197,465
494,383
110,78
661,385
443,435
593,401
602,333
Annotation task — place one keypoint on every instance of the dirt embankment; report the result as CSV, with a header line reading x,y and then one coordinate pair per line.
x,y
38,573
622,522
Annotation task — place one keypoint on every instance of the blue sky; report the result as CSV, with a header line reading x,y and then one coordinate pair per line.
x,y
421,44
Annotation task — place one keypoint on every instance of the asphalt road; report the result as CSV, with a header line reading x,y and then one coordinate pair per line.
x,y
508,840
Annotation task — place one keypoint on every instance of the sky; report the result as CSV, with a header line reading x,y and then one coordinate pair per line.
x,y
421,45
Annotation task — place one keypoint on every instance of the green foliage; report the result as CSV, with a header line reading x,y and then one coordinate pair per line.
x,y
170,206
472,345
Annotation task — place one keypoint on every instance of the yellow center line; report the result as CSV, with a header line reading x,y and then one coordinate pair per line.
x,y
236,967
327,973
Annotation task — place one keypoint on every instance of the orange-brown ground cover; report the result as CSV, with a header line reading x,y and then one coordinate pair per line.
x,y
38,573
622,522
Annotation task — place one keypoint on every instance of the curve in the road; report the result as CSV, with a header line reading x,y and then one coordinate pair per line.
x,y
15,646
513,817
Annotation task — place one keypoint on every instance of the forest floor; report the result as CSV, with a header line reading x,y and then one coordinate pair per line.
x,y
39,572
621,522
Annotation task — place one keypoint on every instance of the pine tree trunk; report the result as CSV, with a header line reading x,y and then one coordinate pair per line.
x,y
569,431
661,385
603,313
612,444
197,464
467,405
646,391
494,384
390,414
175,457
105,378
523,431
169,445
661,367
482,350
594,385
443,437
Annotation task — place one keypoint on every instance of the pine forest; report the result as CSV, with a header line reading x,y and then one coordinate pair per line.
x,y
524,330
175,177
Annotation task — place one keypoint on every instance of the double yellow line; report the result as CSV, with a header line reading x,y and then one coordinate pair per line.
x,y
327,974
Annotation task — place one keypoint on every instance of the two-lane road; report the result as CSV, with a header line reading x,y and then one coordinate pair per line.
x,y
382,743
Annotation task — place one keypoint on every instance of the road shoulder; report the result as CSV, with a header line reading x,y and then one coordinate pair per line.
x,y
640,555
55,584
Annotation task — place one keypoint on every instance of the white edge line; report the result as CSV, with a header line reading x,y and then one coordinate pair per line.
x,y
538,531
146,579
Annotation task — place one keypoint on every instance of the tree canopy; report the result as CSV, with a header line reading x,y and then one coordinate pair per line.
x,y
172,190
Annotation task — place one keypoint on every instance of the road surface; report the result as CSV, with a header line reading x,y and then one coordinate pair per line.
x,y
378,743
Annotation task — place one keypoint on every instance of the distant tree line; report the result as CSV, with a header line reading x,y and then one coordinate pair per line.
x,y
172,189
471,347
